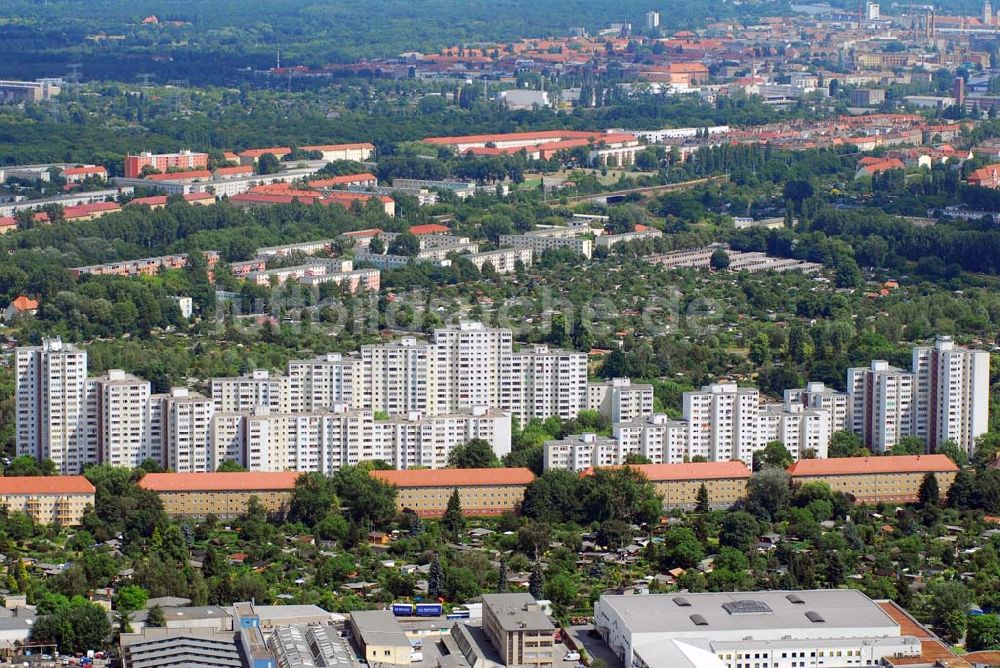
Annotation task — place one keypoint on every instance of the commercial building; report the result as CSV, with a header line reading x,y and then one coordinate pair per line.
x,y
188,647
881,404
380,638
518,629
29,91
893,479
225,495
162,162
951,394
482,492
48,499
836,628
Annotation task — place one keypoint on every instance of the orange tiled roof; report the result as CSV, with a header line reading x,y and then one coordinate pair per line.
x,y
456,477
24,303
62,484
862,465
238,481
690,471
430,228
338,147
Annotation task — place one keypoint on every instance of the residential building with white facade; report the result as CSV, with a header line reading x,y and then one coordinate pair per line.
x,y
880,398
541,382
951,394
540,242
722,422
821,397
800,429
620,400
120,402
50,391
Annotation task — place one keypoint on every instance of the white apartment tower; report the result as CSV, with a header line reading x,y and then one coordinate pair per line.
x,y
951,394
821,397
468,365
620,399
399,377
722,422
120,403
187,424
542,381
881,400
51,397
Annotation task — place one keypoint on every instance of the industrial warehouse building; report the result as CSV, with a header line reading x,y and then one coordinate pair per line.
x,y
836,628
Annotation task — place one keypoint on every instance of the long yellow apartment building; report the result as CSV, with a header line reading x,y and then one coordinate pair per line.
x,y
48,499
225,495
481,491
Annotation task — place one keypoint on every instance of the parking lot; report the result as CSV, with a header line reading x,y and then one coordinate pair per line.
x,y
595,646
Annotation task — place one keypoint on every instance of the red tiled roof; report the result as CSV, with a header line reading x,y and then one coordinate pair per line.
x,y
430,228
341,180
512,136
23,303
62,484
197,197
238,169
364,234
270,198
152,200
80,171
456,477
338,147
179,176
7,221
863,465
690,471
257,152
87,209
238,481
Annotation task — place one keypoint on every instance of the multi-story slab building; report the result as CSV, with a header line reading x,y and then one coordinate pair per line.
x,y
877,479
48,499
225,495
50,389
880,398
481,491
951,394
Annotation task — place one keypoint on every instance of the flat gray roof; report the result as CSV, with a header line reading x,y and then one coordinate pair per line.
x,y
749,611
379,627
510,612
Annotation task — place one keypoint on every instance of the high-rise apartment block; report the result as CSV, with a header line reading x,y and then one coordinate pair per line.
x,y
408,402
51,397
951,394
881,404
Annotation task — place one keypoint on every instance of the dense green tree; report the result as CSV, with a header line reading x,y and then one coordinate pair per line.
x,y
536,583
773,455
313,499
983,633
929,493
475,454
846,444
962,490
703,503
453,520
155,617
739,530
